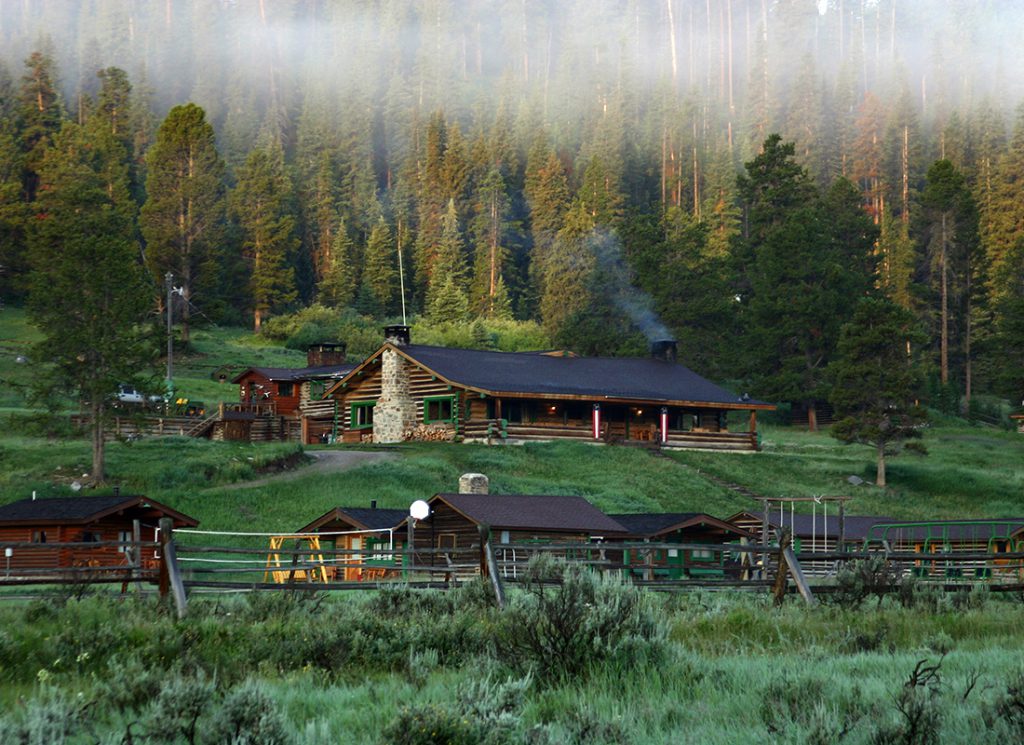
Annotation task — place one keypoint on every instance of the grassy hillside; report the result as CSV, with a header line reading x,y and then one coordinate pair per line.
x,y
971,472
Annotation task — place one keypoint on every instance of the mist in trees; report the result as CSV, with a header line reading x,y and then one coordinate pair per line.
x,y
761,166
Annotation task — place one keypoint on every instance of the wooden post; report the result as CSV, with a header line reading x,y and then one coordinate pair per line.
x,y
764,537
487,561
798,575
410,549
137,553
779,588
169,572
842,525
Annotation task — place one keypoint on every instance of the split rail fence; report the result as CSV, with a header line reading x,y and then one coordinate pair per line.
x,y
184,561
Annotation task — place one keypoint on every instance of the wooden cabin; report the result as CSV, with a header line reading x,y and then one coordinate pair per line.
x,y
1019,420
405,391
270,399
678,527
55,521
455,521
365,530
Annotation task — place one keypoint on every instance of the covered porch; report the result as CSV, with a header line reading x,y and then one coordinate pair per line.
x,y
652,423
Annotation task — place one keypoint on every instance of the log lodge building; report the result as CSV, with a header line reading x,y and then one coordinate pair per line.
x,y
406,391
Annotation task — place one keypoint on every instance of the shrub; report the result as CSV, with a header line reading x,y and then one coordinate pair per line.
x,y
51,719
483,713
177,709
248,716
568,617
919,709
1007,712
857,580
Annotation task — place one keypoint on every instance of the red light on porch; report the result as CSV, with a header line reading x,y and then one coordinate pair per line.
x,y
597,421
664,424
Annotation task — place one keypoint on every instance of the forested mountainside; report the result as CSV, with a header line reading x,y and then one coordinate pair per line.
x,y
609,169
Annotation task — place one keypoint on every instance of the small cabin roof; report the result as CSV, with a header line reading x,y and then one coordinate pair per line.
x,y
650,524
558,513
856,527
295,374
360,518
81,510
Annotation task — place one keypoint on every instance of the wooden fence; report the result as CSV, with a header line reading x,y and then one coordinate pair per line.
x,y
183,565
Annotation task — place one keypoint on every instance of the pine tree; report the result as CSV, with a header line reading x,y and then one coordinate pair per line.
x,y
380,278
490,230
183,217
261,204
547,197
567,269
805,262
875,383
13,217
1008,340
952,240
88,296
41,112
448,277
338,286
1004,215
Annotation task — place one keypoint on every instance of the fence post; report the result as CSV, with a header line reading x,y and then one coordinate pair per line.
x,y
170,575
798,575
137,553
487,565
779,588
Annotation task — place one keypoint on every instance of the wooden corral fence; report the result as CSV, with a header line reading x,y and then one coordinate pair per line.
x,y
187,560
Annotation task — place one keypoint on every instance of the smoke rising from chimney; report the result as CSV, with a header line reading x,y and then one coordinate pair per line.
x,y
634,302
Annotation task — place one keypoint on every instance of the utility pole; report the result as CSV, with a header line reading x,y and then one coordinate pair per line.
x,y
169,282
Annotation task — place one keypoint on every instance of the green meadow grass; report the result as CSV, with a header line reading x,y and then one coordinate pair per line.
x,y
971,472
732,668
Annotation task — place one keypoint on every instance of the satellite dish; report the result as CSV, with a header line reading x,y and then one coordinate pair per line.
x,y
419,510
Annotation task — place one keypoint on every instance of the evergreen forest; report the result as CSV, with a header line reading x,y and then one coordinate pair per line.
x,y
736,174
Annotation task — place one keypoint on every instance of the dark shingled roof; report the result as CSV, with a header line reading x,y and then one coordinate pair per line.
x,y
368,518
654,523
301,373
856,527
79,509
532,512
376,518
642,379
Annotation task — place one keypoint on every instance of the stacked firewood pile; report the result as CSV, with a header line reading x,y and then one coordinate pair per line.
x,y
428,433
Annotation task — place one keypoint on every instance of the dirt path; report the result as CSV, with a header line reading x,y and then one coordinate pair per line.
x,y
325,462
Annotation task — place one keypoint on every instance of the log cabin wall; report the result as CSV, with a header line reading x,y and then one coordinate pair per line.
x,y
422,385
50,554
284,394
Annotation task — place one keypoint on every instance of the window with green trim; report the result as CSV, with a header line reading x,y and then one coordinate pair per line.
x,y
316,389
439,409
362,414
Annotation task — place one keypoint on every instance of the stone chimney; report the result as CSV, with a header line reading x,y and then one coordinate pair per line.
x,y
398,335
325,353
664,349
395,412
474,483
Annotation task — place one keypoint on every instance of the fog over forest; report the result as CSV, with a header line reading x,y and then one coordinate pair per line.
x,y
572,164
563,59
